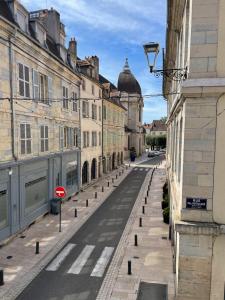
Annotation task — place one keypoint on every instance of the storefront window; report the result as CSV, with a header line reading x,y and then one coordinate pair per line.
x,y
36,192
3,209
71,174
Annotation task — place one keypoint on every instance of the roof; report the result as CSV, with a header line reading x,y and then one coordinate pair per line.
x,y
103,80
157,125
127,82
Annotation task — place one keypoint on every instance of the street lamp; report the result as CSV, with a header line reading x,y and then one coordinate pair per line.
x,y
151,51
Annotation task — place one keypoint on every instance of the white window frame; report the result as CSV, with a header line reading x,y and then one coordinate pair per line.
x,y
65,97
24,81
44,139
25,139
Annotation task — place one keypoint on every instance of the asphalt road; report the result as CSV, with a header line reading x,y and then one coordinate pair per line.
x,y
78,269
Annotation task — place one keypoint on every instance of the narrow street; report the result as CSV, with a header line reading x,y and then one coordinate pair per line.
x,y
78,270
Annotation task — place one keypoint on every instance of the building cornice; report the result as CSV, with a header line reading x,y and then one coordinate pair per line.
x,y
199,228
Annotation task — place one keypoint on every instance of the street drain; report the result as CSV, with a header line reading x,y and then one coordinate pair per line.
x,y
22,236
9,257
136,257
164,237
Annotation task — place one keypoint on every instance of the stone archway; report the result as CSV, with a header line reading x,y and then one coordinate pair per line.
x,y
93,168
118,159
121,157
113,160
85,172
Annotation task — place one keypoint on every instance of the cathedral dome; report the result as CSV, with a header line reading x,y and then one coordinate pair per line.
x,y
127,82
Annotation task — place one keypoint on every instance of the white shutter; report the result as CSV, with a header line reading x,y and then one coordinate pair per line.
x,y
50,92
35,84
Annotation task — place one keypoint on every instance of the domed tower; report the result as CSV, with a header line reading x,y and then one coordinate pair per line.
x,y
131,98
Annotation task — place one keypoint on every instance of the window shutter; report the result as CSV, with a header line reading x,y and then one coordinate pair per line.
x,y
50,92
35,84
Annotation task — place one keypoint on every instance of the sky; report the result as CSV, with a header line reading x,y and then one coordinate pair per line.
x,y
114,30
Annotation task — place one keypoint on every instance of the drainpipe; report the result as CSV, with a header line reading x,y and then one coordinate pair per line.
x,y
102,135
12,100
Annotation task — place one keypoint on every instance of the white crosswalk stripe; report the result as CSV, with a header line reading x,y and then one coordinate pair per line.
x,y
55,264
102,262
141,169
135,169
79,263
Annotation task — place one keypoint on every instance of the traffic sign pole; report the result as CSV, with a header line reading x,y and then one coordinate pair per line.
x,y
60,215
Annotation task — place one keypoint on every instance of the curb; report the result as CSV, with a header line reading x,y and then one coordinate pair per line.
x,y
20,285
109,280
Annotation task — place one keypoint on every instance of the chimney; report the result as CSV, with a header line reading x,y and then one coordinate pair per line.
x,y
95,61
72,50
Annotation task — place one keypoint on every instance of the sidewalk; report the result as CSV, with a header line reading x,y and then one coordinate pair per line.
x,y
18,258
152,258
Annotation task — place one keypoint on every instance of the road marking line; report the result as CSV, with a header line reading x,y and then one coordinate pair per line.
x,y
79,263
102,262
55,264
141,169
135,169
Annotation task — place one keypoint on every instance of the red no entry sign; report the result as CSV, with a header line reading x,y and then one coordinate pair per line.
x,y
60,192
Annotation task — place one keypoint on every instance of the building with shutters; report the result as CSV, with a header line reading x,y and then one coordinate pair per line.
x,y
113,117
39,113
195,146
91,119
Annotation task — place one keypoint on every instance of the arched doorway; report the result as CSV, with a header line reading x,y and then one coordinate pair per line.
x,y
113,160
93,168
118,159
85,173
121,157
104,164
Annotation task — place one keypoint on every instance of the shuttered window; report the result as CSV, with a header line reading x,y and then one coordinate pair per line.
x,y
94,112
44,138
65,98
50,91
24,81
25,138
74,101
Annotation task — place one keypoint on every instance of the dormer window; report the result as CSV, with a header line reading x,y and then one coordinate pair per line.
x,y
22,20
41,35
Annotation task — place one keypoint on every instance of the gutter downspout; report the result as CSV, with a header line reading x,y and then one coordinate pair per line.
x,y
102,135
12,101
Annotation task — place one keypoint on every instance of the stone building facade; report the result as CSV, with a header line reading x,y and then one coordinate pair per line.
x,y
131,98
195,154
156,128
39,91
91,119
113,117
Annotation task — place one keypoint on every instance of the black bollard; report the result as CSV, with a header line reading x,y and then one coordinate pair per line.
x,y
87,203
143,209
140,222
146,200
75,213
1,277
37,248
135,240
147,193
108,183
96,195
129,267
102,189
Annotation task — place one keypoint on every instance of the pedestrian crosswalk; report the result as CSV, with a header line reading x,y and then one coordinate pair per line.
x,y
142,169
82,259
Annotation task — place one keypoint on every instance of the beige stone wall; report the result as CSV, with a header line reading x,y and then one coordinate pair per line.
x,y
35,113
89,124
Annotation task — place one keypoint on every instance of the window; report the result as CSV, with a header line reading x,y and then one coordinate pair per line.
x,y
65,134
100,113
3,208
94,112
22,20
43,85
44,138
71,178
104,112
25,138
24,81
85,139
100,138
85,109
92,89
50,92
61,137
100,94
94,138
75,137
74,101
83,85
65,98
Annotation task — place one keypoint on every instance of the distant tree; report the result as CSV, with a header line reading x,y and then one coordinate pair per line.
x,y
163,119
156,141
